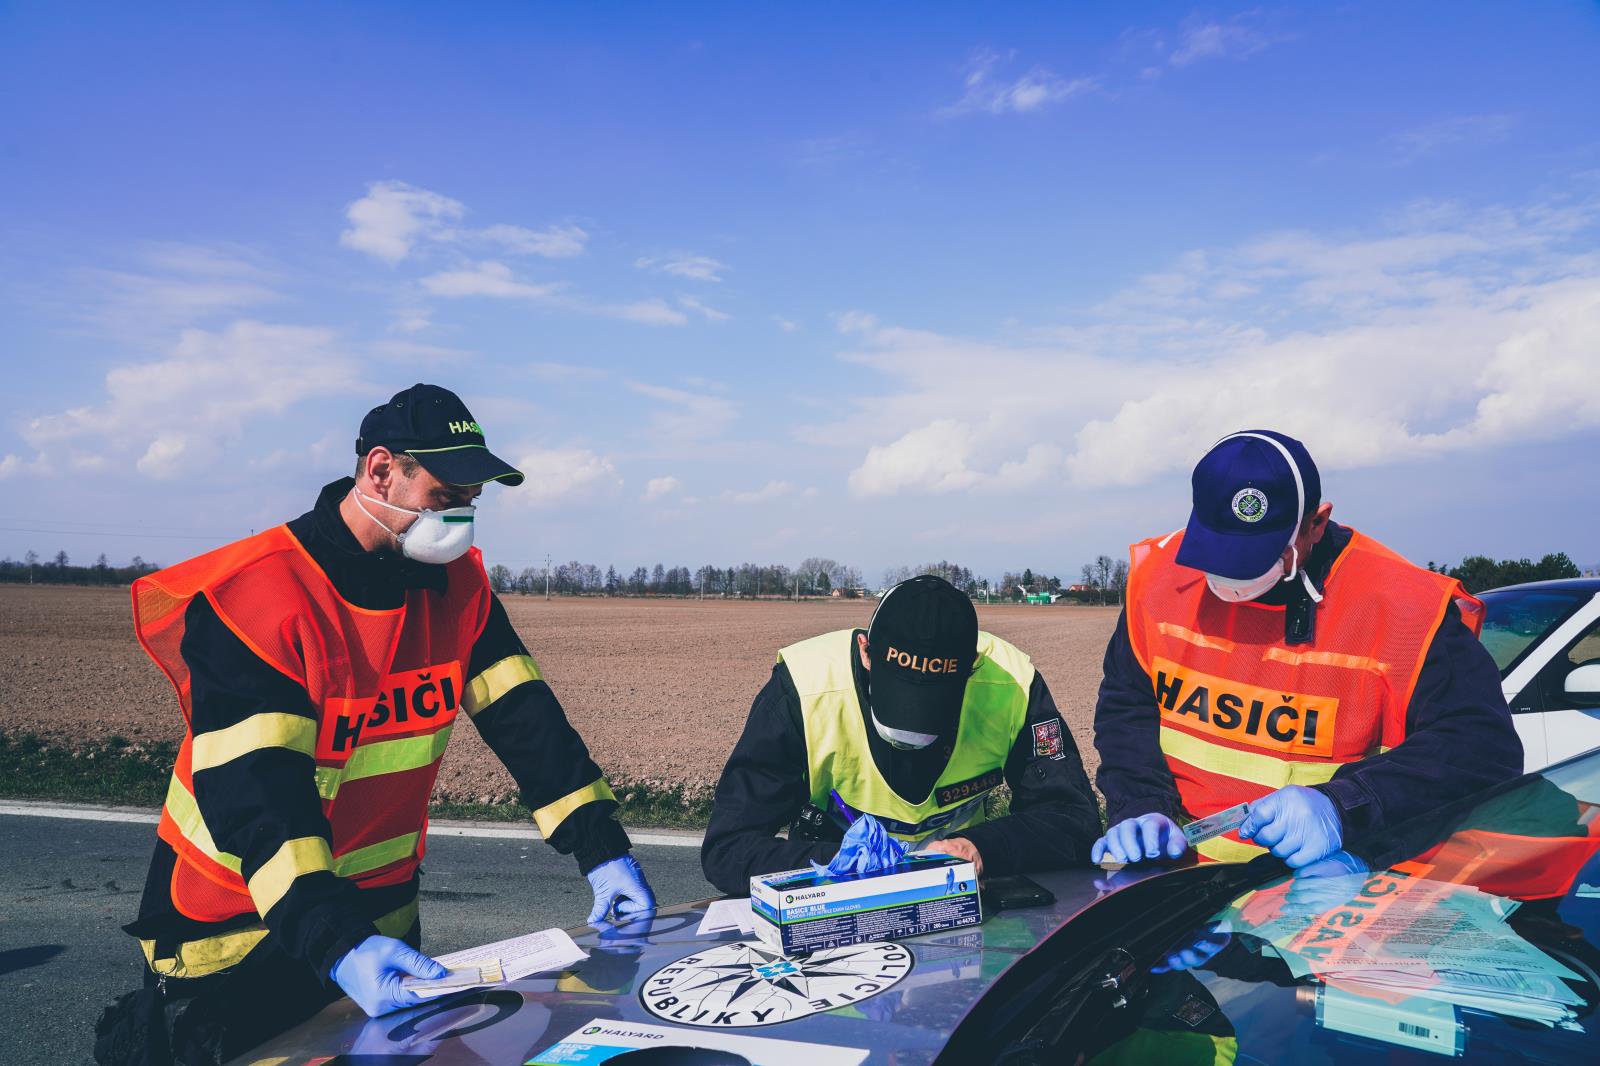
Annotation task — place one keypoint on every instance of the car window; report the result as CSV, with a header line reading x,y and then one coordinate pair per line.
x,y
1514,621
1469,933
1552,679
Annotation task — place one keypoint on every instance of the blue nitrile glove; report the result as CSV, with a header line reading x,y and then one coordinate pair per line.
x,y
866,848
370,974
1326,885
1297,824
620,883
1201,947
1149,836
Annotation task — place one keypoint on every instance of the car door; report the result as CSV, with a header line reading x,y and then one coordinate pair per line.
x,y
1571,723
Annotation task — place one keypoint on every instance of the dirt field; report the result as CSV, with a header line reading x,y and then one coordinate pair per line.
x,y
659,689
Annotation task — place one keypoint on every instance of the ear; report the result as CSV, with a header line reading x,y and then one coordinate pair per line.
x,y
861,647
380,471
1319,522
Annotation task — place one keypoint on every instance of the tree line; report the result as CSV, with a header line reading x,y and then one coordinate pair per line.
x,y
32,570
1479,572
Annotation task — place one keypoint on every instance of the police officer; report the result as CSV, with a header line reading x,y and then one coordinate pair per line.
x,y
320,667
914,720
1270,655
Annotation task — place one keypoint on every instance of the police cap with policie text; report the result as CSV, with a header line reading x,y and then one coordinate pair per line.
x,y
434,427
922,643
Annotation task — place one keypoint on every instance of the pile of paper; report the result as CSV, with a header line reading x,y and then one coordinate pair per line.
x,y
1403,937
725,915
504,960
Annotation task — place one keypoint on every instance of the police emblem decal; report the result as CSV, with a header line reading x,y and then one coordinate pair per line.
x,y
1047,743
1250,505
736,986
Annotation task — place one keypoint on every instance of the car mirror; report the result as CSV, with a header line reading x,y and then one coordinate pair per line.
x,y
1583,685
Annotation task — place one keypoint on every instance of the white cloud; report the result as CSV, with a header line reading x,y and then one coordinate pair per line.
x,y
711,314
555,475
688,416
176,414
556,242
1031,91
661,486
932,458
785,324
393,216
486,279
1463,130
772,490
1444,330
684,265
172,285
649,312
1234,39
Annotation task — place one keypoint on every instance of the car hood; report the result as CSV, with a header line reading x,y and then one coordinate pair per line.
x,y
869,997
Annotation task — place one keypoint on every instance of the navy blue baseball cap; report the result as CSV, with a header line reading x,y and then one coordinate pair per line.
x,y
1251,491
435,428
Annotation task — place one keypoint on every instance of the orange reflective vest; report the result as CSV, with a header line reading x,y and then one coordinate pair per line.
x,y
1244,713
386,686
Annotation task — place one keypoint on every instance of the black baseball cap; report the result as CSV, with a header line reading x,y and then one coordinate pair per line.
x,y
1251,491
435,428
922,643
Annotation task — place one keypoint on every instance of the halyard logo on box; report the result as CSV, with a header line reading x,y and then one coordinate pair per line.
x,y
735,986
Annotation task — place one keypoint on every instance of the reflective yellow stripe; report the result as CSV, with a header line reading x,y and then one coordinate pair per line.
x,y
1189,636
1267,770
197,958
551,815
270,729
354,863
1221,849
1327,658
384,757
185,814
497,680
302,855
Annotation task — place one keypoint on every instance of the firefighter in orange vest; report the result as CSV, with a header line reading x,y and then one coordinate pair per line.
x,y
1271,656
320,667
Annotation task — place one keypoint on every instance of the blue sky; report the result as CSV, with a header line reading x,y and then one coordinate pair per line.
x,y
761,282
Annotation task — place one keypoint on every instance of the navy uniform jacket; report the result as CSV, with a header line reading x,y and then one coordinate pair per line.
x,y
1459,737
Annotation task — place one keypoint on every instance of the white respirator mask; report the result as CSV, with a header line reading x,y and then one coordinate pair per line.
x,y
436,537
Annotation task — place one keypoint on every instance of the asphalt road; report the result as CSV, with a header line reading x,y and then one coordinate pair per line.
x,y
67,885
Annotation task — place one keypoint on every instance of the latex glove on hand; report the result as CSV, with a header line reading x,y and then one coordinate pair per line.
x,y
620,891
866,848
370,974
1149,836
1202,946
1326,885
1297,824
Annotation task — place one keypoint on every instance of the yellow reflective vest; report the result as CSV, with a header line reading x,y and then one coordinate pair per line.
x,y
839,757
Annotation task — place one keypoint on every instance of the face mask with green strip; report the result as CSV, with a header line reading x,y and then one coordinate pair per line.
x,y
436,537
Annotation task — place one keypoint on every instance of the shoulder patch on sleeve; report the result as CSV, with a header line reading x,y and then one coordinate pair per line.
x,y
1047,742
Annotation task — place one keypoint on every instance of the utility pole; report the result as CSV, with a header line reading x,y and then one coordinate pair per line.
x,y
547,577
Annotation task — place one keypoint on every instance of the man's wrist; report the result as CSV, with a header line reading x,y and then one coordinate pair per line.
x,y
608,841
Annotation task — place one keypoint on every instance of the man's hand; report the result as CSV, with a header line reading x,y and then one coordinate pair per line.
x,y
371,973
619,884
960,848
1297,824
1149,836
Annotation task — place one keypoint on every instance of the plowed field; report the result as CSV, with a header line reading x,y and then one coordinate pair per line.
x,y
658,688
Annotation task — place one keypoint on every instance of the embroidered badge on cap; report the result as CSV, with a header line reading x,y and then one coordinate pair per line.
x,y
1047,743
1250,505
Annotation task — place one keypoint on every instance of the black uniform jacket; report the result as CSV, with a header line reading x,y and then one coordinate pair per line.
x,y
1054,816
252,804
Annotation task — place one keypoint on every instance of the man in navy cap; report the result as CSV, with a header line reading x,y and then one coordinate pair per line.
x,y
914,720
320,667
1270,656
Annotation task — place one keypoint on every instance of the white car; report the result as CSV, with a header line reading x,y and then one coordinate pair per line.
x,y
1545,638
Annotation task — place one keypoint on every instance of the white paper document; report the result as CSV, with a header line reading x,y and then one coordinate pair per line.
x,y
724,915
504,960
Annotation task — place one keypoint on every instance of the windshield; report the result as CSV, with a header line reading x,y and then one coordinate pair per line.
x,y
1470,933
1515,620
